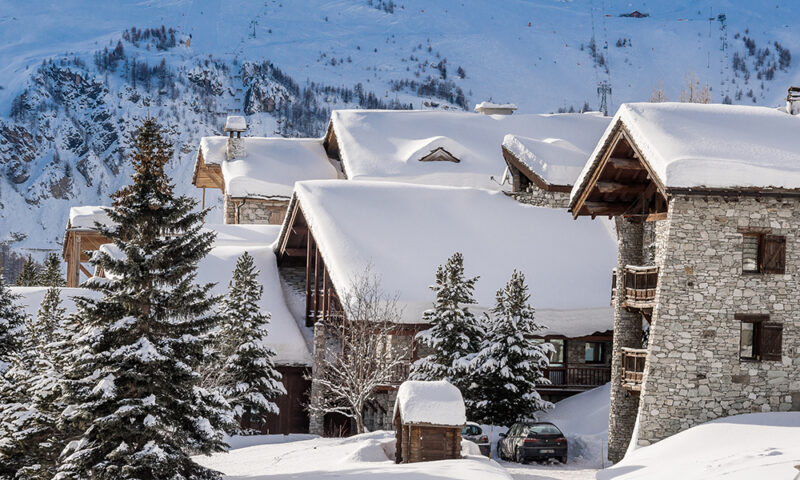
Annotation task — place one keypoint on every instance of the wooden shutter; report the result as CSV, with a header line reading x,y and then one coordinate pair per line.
x,y
771,341
773,254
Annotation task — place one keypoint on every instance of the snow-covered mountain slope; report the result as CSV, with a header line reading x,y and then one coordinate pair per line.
x,y
76,76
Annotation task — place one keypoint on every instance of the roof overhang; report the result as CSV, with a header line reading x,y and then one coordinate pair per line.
x,y
620,182
207,176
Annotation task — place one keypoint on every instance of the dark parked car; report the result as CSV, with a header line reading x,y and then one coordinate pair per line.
x,y
532,441
474,433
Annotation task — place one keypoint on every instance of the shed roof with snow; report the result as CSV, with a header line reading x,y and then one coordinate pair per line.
x,y
435,403
685,146
392,145
402,232
269,168
85,217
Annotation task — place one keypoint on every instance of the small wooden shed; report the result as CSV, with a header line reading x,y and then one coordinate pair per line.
x,y
428,418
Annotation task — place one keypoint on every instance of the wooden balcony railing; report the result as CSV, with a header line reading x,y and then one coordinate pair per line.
x,y
633,360
640,286
577,377
399,375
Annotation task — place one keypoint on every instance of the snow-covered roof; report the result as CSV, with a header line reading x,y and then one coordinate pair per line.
x,y
270,166
84,217
437,403
235,123
691,145
576,322
387,145
554,160
31,298
217,267
402,232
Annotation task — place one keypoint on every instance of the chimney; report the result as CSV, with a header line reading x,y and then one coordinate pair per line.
x,y
793,101
489,108
235,124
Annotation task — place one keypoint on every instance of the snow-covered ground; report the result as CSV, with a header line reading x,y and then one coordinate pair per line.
x,y
756,445
368,456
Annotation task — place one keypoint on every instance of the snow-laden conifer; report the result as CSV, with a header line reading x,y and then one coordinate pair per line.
x,y
247,379
29,275
132,387
510,363
31,440
51,275
12,320
454,333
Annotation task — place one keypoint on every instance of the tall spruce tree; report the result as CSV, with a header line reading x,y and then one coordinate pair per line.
x,y
29,422
455,333
12,320
248,379
29,275
509,363
132,385
51,275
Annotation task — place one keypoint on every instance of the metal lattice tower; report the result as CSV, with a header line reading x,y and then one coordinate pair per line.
x,y
604,91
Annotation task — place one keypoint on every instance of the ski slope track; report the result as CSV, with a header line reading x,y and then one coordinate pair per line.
x,y
69,98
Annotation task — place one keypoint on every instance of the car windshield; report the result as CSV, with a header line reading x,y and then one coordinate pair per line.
x,y
544,429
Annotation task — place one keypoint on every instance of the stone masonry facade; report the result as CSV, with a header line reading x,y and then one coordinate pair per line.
x,y
539,197
693,372
255,210
627,333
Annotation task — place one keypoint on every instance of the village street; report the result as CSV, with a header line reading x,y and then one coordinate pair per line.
x,y
549,472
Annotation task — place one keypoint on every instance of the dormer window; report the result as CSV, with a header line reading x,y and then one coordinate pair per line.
x,y
439,155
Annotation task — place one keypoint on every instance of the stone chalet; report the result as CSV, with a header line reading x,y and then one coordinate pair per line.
x,y
706,200
335,230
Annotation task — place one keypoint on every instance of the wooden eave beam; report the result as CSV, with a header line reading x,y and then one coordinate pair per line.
x,y
625,163
605,208
620,188
295,252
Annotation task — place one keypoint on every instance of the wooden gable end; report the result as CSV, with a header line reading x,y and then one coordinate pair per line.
x,y
207,176
622,183
439,155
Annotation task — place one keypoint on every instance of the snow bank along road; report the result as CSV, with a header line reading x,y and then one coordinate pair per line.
x,y
368,456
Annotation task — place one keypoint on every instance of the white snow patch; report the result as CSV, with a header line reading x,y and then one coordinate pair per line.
x,y
438,403
755,445
361,456
554,160
84,217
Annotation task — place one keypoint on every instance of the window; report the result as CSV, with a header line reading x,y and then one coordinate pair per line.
x,y
557,357
759,339
763,253
594,352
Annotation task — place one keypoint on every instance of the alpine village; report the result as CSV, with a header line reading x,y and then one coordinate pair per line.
x,y
440,286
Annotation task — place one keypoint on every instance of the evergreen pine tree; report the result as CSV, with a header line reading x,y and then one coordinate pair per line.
x,y
29,275
29,421
12,320
131,382
51,275
509,363
248,379
455,333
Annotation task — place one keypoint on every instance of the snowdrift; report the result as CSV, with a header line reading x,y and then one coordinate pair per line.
x,y
756,445
367,456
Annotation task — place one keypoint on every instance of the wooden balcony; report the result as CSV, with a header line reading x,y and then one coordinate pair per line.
x,y
570,377
633,360
399,375
639,285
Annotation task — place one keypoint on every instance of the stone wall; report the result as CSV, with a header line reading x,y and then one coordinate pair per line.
x,y
534,195
627,333
693,372
255,210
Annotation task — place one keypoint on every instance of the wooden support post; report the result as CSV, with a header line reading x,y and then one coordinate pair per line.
x,y
309,252
325,293
317,283
76,260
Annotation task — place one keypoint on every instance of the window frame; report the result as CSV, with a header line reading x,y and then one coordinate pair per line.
x,y
600,347
765,237
760,342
